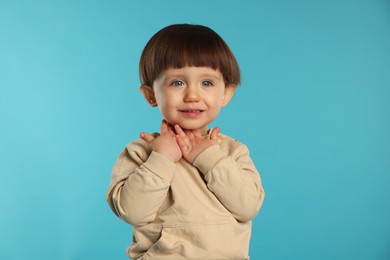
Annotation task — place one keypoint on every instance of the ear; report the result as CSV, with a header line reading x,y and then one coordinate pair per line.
x,y
148,93
228,94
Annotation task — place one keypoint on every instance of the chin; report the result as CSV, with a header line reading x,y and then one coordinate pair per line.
x,y
186,126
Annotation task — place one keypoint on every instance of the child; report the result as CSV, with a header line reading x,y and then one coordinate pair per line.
x,y
189,192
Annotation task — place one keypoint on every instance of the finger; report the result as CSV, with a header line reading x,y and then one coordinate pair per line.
x,y
164,127
182,145
180,142
147,137
180,132
192,136
183,137
215,133
171,129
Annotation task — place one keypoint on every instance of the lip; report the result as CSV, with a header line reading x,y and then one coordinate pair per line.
x,y
191,113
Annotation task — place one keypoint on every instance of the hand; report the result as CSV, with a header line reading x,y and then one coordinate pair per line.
x,y
165,144
192,143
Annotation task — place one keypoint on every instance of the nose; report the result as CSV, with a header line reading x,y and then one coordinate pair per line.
x,y
192,94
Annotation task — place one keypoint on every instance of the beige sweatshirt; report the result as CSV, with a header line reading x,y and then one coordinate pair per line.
x,y
184,211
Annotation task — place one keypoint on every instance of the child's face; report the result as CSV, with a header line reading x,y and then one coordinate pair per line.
x,y
191,96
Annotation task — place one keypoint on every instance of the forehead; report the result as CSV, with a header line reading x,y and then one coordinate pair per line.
x,y
191,71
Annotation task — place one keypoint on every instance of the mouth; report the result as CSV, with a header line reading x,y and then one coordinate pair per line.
x,y
191,112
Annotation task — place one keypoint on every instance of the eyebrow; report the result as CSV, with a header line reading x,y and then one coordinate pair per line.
x,y
208,75
203,75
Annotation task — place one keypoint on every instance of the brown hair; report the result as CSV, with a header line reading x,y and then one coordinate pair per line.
x,y
180,45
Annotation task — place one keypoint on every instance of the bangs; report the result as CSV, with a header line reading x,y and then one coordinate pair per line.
x,y
178,46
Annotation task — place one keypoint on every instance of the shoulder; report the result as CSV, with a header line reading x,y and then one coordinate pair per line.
x,y
139,149
231,146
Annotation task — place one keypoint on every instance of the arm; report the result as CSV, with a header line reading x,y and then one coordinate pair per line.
x,y
231,176
139,184
233,179
140,179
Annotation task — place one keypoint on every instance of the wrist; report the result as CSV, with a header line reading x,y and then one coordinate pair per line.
x,y
172,157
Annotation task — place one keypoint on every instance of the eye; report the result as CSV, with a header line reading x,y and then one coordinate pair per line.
x,y
177,83
207,83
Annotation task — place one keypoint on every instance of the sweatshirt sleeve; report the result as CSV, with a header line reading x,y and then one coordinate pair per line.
x,y
233,179
139,184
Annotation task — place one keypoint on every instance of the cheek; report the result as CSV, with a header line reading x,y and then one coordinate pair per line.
x,y
166,101
219,99
167,104
161,98
215,104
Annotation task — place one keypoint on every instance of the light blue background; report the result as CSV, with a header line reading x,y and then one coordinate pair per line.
x,y
313,109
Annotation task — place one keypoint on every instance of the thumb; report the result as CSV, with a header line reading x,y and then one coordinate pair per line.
x,y
147,137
